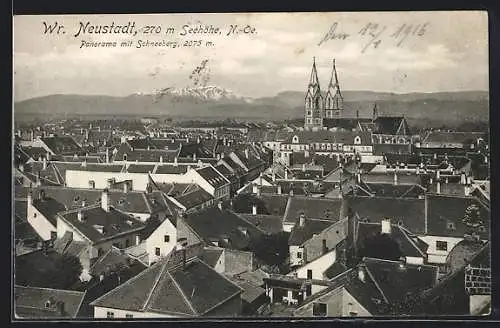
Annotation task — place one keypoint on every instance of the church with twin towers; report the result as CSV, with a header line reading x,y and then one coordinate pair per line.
x,y
321,107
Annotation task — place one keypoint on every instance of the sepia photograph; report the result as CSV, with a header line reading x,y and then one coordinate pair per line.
x,y
251,166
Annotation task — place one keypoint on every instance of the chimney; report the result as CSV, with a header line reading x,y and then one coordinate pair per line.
x,y
302,220
469,181
395,178
30,198
80,216
418,170
21,167
306,153
260,179
219,205
194,157
38,179
47,155
273,175
438,174
358,176
107,155
218,156
126,187
161,159
200,163
101,277
361,273
84,203
60,309
105,200
279,189
386,226
44,161
255,189
485,159
286,174
137,239
254,209
303,167
438,187
84,163
32,135
463,179
246,153
466,190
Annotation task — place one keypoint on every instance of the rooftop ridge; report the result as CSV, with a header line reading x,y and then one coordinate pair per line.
x,y
126,283
51,289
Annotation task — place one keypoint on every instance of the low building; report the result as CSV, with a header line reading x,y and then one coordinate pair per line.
x,y
46,303
175,287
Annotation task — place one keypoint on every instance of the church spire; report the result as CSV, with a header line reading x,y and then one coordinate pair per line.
x,y
313,81
334,81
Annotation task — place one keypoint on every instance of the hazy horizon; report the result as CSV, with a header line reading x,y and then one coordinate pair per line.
x,y
343,91
450,55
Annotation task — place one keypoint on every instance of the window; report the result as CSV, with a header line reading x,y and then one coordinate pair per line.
x,y
124,157
157,251
450,226
309,274
299,255
319,309
92,184
34,215
127,243
110,315
166,238
441,245
128,315
353,314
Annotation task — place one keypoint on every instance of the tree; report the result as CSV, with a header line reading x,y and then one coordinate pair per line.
x,y
52,270
472,218
271,250
380,246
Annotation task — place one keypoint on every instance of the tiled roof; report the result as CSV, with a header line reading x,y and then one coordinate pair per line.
x,y
409,212
383,148
213,224
132,201
116,168
389,190
176,290
62,144
390,125
267,204
443,210
339,137
407,245
250,291
194,198
212,176
453,137
211,256
140,168
113,223
110,260
312,208
301,234
389,178
49,207
171,169
271,224
31,302
395,280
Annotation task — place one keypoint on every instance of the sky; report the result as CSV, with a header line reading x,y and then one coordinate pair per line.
x,y
449,54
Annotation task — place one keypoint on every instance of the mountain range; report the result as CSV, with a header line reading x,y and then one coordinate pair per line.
x,y
217,102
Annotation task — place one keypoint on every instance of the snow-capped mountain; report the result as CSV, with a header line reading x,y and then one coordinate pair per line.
x,y
206,93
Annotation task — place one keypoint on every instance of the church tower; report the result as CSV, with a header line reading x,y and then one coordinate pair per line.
x,y
313,102
334,103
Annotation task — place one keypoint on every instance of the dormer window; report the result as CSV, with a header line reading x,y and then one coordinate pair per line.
x,y
450,226
357,140
295,139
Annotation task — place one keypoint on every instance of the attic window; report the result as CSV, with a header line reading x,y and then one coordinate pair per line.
x,y
99,228
482,229
450,226
129,222
121,201
77,198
